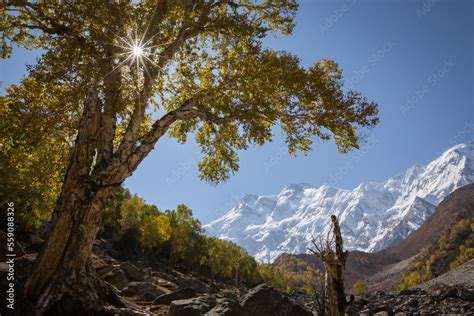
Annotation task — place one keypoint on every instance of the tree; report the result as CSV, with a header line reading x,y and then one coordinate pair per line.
x,y
33,149
137,70
155,231
332,254
359,287
186,232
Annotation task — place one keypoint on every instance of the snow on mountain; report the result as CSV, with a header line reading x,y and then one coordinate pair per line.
x,y
373,216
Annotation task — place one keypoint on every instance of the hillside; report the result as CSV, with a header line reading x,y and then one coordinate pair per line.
x,y
457,206
373,216
359,264
148,260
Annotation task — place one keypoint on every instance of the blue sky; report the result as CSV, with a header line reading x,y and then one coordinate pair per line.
x,y
414,58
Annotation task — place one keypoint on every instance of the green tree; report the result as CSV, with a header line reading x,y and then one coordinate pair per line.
x,y
186,236
36,135
202,64
111,227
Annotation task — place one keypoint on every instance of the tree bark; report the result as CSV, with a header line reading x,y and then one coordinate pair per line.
x,y
65,256
62,268
334,261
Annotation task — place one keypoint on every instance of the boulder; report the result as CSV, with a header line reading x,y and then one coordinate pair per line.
x,y
191,307
102,267
466,294
165,283
148,291
205,305
181,294
225,307
264,300
132,272
198,285
117,278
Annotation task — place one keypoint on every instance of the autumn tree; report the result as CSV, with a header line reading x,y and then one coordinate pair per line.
x,y
36,135
155,231
359,287
135,71
185,241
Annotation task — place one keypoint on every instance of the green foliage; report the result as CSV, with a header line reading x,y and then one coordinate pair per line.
x,y
186,236
359,287
298,273
155,230
274,277
175,235
204,65
454,247
37,125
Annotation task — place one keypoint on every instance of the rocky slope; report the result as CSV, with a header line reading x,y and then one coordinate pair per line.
x,y
457,206
451,293
373,216
154,287
437,300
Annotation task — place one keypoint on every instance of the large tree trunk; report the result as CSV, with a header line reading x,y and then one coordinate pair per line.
x,y
65,256
62,269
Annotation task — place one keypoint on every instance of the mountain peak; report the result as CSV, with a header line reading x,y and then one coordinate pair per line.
x,y
297,187
373,215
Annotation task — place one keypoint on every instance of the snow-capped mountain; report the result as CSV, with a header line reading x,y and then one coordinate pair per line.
x,y
373,216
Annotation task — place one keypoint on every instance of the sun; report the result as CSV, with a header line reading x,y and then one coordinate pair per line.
x,y
137,50
134,50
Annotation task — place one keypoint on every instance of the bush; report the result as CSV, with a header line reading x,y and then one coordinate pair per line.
x,y
359,288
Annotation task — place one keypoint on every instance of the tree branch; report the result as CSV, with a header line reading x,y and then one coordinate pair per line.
x,y
124,165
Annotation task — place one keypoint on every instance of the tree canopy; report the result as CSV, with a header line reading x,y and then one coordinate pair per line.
x,y
179,67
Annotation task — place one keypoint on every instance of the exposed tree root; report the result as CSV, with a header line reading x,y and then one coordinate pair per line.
x,y
87,294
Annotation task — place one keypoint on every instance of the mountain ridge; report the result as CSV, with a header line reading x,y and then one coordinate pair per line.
x,y
383,270
373,215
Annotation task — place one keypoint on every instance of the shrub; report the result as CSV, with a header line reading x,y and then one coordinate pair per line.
x,y
359,288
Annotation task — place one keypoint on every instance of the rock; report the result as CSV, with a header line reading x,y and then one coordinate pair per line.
x,y
181,294
225,307
148,291
412,302
383,308
198,285
159,309
117,278
360,301
365,312
165,283
384,313
449,293
408,291
466,294
101,270
264,300
191,307
122,312
205,305
132,272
